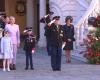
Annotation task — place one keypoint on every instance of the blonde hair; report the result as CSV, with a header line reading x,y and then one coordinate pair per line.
x,y
12,17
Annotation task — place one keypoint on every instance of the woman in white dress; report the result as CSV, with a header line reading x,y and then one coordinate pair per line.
x,y
6,49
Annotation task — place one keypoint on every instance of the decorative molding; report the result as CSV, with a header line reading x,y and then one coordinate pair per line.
x,y
68,7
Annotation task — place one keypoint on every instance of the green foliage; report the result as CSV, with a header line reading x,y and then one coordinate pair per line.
x,y
97,34
94,60
96,47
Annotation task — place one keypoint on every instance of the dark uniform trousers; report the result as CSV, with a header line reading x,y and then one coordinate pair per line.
x,y
56,44
29,44
56,57
48,36
49,47
29,59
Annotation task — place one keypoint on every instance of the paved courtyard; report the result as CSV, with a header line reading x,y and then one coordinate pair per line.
x,y
77,70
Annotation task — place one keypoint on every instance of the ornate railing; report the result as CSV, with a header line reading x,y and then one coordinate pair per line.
x,y
81,28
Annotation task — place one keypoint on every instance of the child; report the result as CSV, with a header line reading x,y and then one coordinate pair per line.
x,y
29,47
6,49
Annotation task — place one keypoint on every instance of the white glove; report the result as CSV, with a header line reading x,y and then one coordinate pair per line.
x,y
33,50
51,22
46,15
25,31
63,45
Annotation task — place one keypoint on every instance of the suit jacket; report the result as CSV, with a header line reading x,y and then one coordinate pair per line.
x,y
47,32
69,32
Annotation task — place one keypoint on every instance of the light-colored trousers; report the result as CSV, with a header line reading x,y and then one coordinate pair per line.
x,y
14,53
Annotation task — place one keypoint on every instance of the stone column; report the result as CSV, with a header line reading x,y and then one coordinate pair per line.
x,y
30,13
42,40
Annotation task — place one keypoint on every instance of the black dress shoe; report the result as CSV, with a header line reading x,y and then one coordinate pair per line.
x,y
14,67
26,68
32,68
58,69
54,69
11,67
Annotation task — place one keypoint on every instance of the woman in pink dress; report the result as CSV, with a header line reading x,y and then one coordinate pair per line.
x,y
15,37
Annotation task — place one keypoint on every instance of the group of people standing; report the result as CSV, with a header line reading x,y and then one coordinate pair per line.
x,y
59,37
10,41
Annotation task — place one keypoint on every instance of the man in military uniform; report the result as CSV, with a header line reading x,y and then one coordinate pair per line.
x,y
28,46
56,43
47,19
48,37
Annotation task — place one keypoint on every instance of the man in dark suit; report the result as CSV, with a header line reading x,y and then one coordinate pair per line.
x,y
56,43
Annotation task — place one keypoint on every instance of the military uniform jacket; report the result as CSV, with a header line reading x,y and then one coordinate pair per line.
x,y
57,35
47,32
29,43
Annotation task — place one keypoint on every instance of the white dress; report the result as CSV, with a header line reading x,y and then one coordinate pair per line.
x,y
6,48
